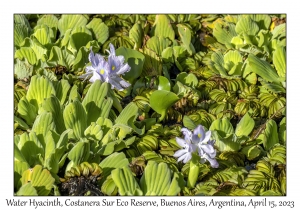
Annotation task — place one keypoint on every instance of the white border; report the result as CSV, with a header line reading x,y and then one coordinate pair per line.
x,y
154,7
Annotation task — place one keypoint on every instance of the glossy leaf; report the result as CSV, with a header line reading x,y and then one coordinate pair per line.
x,y
245,126
263,69
246,25
79,37
49,20
43,123
80,152
68,21
279,59
27,190
162,27
159,180
39,178
223,126
99,29
161,106
94,100
75,118
62,88
27,111
125,181
158,44
115,160
187,79
136,34
128,116
270,135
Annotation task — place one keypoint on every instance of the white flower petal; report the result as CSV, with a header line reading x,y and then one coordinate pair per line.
x,y
112,49
95,77
188,156
213,162
207,148
180,142
207,137
179,153
123,69
182,157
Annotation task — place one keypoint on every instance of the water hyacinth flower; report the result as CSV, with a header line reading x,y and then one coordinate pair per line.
x,y
108,71
198,141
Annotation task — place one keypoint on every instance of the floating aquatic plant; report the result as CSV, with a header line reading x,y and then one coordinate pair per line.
x,y
112,103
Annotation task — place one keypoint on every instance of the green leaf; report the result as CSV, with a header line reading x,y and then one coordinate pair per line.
x,y
20,123
135,60
187,79
279,31
61,56
246,25
44,35
125,181
115,160
26,53
75,118
263,69
158,44
99,29
80,152
43,123
81,59
279,60
19,168
162,27
162,106
39,178
53,106
282,131
21,31
188,122
224,33
163,83
49,20
29,147
270,135
136,33
62,88
185,36
22,69
245,126
263,21
128,116
94,131
27,111
223,126
27,190
39,89
94,100
159,180
69,22
252,152
80,36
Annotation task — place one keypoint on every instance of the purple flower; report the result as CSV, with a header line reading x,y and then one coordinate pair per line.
x,y
198,141
116,67
107,71
98,69
185,154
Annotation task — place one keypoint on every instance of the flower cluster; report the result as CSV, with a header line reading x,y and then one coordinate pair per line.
x,y
198,141
108,71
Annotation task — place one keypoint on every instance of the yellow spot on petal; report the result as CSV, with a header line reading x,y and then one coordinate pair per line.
x,y
113,67
102,71
199,135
